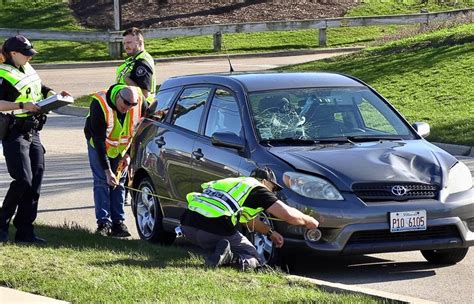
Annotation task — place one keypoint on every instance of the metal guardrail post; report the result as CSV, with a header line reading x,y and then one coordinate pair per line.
x,y
115,45
217,42
322,37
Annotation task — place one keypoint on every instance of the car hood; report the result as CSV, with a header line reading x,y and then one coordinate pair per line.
x,y
413,161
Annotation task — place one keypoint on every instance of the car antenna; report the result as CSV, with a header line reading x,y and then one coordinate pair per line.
x,y
227,53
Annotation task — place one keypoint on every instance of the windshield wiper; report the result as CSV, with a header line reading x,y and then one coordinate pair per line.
x,y
290,140
362,138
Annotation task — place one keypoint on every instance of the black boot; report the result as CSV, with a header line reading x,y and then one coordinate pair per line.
x,y
222,255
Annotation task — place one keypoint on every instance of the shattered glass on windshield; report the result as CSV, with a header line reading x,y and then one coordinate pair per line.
x,y
317,113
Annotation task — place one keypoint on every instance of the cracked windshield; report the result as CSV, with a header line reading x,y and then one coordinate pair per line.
x,y
324,113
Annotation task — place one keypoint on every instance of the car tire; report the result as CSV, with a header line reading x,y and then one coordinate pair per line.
x,y
149,216
265,247
445,256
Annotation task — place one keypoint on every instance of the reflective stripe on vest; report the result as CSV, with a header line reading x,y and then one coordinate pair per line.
x,y
27,83
118,136
225,197
127,66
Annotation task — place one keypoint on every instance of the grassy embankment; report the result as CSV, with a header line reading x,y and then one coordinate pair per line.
x,y
81,267
427,77
49,14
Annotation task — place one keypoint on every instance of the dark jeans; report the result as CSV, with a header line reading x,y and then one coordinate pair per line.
x,y
24,157
239,244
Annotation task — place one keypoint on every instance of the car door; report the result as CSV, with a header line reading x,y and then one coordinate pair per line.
x,y
176,143
211,162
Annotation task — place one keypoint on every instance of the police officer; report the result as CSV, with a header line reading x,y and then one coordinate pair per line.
x,y
139,68
212,215
20,87
109,128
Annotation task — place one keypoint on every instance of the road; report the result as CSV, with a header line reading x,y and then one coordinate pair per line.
x,y
84,81
67,196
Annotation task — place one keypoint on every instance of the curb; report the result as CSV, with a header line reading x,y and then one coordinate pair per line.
x,y
456,149
72,110
8,295
116,63
385,297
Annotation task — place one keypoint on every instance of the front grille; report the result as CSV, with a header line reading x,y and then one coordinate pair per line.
x,y
380,236
386,191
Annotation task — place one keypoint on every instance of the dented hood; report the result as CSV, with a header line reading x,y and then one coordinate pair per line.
x,y
414,161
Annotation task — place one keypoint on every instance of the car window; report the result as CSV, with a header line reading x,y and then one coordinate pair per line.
x,y
189,107
224,114
162,103
373,119
318,113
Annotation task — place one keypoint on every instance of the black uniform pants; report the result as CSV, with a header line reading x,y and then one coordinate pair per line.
x,y
24,157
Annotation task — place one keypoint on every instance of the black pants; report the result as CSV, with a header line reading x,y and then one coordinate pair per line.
x,y
24,156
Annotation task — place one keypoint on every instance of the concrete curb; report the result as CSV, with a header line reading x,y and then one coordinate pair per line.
x,y
116,63
456,149
386,297
8,295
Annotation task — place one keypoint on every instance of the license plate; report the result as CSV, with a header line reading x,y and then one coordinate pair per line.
x,y
408,221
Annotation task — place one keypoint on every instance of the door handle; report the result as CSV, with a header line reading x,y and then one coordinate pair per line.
x,y
198,154
160,142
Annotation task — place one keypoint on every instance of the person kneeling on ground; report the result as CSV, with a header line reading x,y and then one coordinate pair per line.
x,y
211,218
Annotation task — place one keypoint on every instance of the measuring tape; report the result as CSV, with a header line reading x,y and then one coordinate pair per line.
x,y
180,201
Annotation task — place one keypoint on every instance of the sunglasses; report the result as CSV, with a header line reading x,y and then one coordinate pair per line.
x,y
126,102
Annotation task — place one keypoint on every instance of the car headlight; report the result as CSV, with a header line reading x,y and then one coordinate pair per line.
x,y
460,178
311,186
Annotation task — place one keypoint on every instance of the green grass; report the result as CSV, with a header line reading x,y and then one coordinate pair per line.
x,y
427,77
38,14
81,267
393,7
55,15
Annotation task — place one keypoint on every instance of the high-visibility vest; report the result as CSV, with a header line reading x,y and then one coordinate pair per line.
x,y
127,66
27,83
118,137
225,197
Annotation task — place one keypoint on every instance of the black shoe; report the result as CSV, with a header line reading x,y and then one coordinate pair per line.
x,y
30,240
119,230
222,255
103,229
3,237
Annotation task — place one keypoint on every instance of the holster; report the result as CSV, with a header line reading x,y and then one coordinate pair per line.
x,y
6,122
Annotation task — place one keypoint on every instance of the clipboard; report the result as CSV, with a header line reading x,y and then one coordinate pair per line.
x,y
54,102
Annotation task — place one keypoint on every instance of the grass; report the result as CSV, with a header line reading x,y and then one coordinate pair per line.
x,y
55,15
81,267
428,77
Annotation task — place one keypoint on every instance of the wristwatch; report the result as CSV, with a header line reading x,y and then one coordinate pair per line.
x,y
269,233
21,105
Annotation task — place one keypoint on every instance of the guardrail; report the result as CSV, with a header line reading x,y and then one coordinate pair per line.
x,y
114,38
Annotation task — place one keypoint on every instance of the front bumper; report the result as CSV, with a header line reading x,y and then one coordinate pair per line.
x,y
354,227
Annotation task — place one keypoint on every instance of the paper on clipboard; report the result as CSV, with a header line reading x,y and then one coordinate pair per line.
x,y
54,102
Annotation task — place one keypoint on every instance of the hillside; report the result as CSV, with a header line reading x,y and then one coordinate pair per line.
x,y
428,77
151,15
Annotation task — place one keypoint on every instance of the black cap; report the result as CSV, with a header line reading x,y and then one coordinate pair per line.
x,y
266,174
19,44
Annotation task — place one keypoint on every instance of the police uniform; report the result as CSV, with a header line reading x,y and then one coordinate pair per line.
x,y
141,69
22,148
213,214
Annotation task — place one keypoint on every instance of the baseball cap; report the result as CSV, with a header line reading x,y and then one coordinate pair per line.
x,y
266,174
19,44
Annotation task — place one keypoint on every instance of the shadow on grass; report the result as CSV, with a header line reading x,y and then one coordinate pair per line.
x,y
139,252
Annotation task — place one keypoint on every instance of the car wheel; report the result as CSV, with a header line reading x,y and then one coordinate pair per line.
x,y
445,256
149,216
265,247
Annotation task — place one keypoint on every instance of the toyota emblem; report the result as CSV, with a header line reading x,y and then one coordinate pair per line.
x,y
399,190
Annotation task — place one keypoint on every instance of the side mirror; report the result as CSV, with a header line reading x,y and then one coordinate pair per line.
x,y
422,128
228,140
